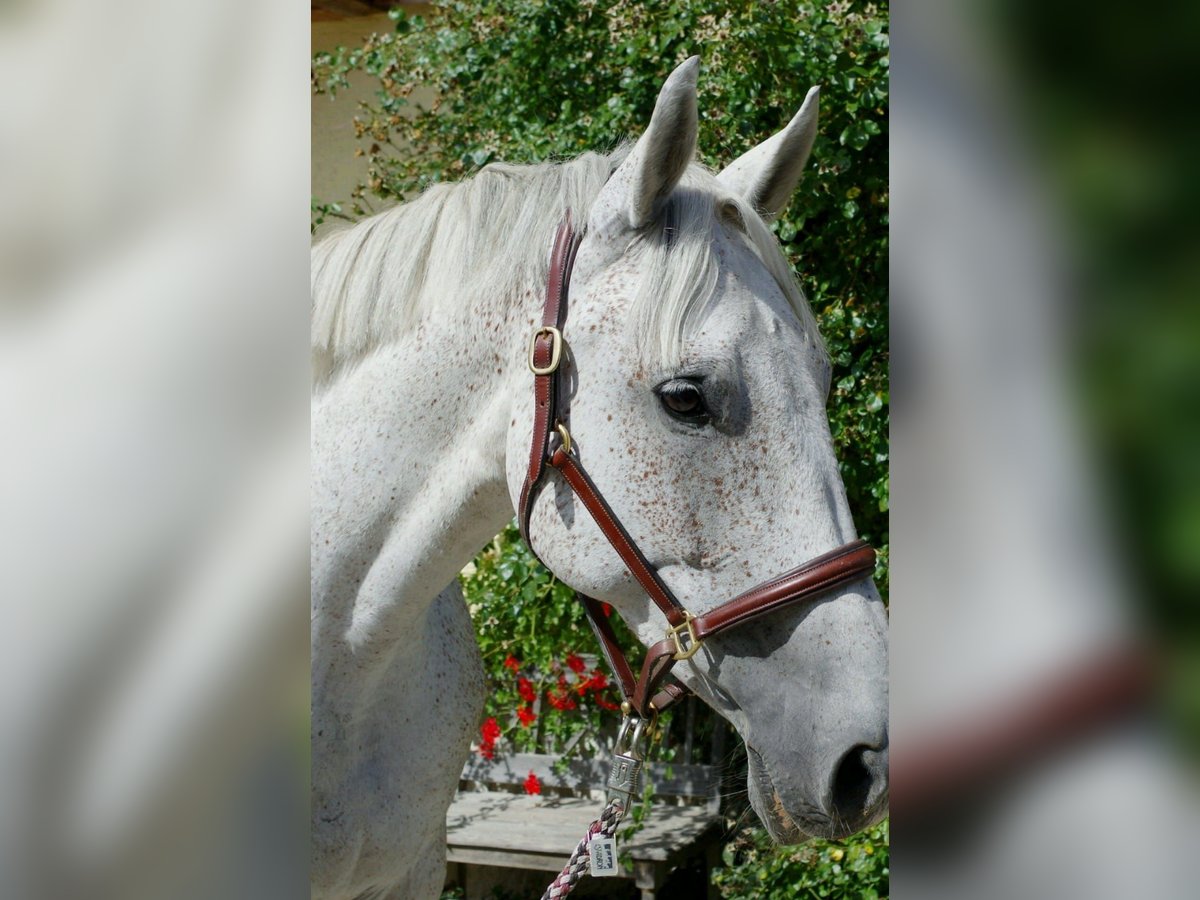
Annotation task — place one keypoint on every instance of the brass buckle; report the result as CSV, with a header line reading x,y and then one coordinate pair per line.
x,y
555,349
674,632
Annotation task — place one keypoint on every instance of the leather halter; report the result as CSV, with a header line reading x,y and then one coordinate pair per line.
x,y
686,632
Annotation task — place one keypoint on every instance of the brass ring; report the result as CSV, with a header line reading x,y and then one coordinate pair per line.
x,y
565,436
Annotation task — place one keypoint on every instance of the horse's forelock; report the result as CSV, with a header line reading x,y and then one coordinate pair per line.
x,y
680,264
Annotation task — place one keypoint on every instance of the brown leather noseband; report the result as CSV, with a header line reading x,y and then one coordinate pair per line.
x,y
686,632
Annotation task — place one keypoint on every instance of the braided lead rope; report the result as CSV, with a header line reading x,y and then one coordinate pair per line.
x,y
577,865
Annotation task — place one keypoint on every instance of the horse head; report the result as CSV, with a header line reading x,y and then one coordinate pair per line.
x,y
696,385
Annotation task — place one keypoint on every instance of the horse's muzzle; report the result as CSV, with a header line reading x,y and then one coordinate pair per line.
x,y
855,798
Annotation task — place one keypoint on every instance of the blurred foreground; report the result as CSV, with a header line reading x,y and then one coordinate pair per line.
x,y
153,520
1045,500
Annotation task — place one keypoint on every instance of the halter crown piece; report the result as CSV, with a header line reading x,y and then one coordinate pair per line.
x,y
685,633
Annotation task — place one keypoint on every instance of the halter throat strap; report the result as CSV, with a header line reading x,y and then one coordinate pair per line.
x,y
647,692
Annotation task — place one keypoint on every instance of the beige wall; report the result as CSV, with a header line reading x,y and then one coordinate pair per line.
x,y
335,168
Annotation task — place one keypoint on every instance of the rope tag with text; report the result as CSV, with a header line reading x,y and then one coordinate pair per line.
x,y
603,852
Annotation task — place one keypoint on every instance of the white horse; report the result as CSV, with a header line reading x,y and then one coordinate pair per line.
x,y
698,385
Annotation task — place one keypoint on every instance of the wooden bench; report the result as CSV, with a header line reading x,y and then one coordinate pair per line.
x,y
493,822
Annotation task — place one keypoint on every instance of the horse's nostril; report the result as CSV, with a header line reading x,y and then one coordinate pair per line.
x,y
852,784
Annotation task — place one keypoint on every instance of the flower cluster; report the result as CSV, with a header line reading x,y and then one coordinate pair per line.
x,y
597,683
526,690
532,785
573,683
490,733
560,696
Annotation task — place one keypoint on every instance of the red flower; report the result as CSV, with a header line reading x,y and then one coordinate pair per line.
x,y
532,785
527,716
597,682
490,730
525,689
511,662
560,699
605,704
607,609
575,664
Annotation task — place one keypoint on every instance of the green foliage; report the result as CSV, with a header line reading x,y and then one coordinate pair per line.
x,y
854,869
322,211
528,80
527,618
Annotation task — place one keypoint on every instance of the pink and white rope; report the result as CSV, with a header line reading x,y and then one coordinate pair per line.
x,y
577,865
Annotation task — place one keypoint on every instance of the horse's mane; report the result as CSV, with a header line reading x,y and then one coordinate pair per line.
x,y
489,236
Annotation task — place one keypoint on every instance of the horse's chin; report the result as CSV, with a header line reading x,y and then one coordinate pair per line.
x,y
766,802
792,827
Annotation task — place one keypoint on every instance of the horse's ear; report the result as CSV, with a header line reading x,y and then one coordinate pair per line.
x,y
659,158
767,174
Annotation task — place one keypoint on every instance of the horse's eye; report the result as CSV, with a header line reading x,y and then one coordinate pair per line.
x,y
683,400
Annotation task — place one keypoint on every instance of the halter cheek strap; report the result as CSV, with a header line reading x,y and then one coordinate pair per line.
x,y
545,360
686,633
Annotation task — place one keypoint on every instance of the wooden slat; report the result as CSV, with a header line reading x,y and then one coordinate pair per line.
x,y
495,824
506,827
582,775
504,859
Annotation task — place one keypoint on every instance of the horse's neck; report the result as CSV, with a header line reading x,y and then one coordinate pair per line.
x,y
408,466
